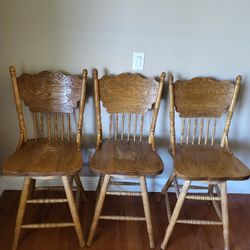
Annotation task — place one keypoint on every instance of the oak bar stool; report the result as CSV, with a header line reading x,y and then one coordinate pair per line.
x,y
200,103
124,154
51,98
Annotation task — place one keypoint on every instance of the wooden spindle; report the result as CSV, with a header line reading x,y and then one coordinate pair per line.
x,y
69,127
55,126
182,130
62,123
194,131
122,132
35,125
110,125
129,125
207,130
41,125
188,130
48,126
214,131
116,126
201,130
135,125
141,127
23,132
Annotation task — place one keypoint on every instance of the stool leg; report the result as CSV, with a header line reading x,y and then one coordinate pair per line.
x,y
176,187
168,206
99,186
80,188
168,184
224,210
32,187
98,209
175,214
21,211
73,210
147,210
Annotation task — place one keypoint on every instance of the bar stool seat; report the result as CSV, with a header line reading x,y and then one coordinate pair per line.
x,y
210,163
126,158
44,158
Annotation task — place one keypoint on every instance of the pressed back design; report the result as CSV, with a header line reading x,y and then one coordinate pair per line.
x,y
200,103
50,91
51,97
127,97
202,97
128,93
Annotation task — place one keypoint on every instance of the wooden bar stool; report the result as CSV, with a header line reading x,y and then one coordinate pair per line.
x,y
201,103
126,97
53,153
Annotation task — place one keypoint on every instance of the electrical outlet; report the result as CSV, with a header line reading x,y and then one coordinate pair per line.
x,y
138,61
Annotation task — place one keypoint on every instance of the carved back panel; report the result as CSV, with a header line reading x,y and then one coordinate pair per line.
x,y
128,93
127,97
50,91
202,97
51,97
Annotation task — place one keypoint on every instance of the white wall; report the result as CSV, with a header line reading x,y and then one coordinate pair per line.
x,y
189,38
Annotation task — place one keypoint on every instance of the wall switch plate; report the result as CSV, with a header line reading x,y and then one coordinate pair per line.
x,y
138,61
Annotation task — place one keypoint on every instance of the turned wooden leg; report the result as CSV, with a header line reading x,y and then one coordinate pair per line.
x,y
73,209
176,187
210,189
168,206
31,187
168,184
224,210
147,210
98,208
21,210
80,189
175,214
213,202
100,181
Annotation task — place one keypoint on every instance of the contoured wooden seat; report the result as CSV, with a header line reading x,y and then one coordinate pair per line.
x,y
208,163
53,152
201,103
124,152
131,158
44,158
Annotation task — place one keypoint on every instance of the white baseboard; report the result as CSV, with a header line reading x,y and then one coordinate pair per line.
x,y
1,185
90,183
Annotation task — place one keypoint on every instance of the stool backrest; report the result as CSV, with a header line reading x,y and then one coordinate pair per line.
x,y
200,102
127,97
52,98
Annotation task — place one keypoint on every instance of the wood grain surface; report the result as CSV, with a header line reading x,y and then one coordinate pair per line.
x,y
128,93
124,235
126,157
50,91
202,97
44,158
200,162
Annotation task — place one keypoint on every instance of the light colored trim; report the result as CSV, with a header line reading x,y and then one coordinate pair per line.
x,y
1,185
90,184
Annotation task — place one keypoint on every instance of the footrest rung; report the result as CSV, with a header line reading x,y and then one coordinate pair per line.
x,y
192,187
126,218
46,201
124,193
202,198
47,225
124,183
52,188
200,222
